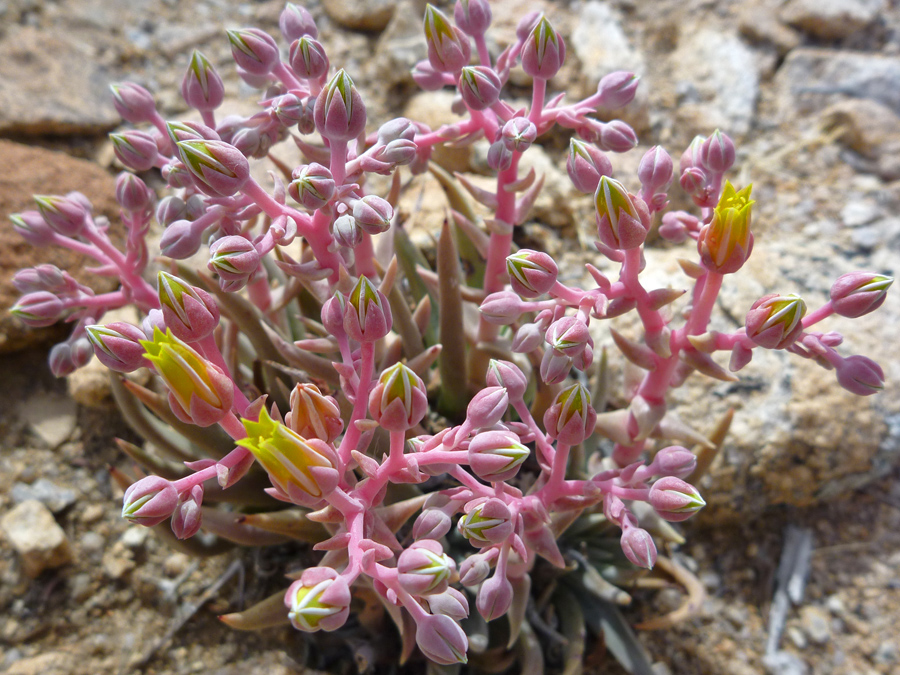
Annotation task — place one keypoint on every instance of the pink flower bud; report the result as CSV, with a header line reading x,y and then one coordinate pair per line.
x,y
694,181
398,400
623,220
674,500
614,509
507,375
187,518
487,407
333,314
318,601
314,415
502,308
289,109
340,113
479,87
60,360
486,522
190,131
64,215
32,228
190,313
571,418
860,375
555,367
431,524
137,150
149,501
218,169
472,16
397,152
180,240
132,193
495,456
118,346
775,321
617,136
201,87
473,570
448,47
544,51
452,603
717,153
133,103
676,225
568,336
367,313
308,59
675,461
253,50
858,293
531,273
441,639
655,170
638,547
499,157
44,278
617,89
428,79
170,209
586,164
347,231
312,186
295,22
234,259
518,134
424,568
373,214
529,337
39,309
494,597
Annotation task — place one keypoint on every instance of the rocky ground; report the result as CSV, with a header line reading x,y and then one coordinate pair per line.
x,y
809,90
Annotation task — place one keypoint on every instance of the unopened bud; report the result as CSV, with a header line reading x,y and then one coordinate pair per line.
x,y
319,600
571,418
137,150
586,165
674,500
340,113
149,501
495,456
308,59
623,220
544,51
518,134
479,87
858,293
617,89
448,46
118,346
295,21
133,103
254,51
398,400
424,568
202,87
860,375
373,214
717,153
312,185
775,321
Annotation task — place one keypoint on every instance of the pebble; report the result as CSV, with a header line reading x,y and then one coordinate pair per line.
x,y
856,213
36,537
886,653
118,561
52,496
816,624
92,513
831,19
135,537
51,417
91,542
365,15
49,663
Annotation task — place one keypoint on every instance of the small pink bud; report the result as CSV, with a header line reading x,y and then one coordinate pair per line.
x,y
502,308
295,22
486,522
448,46
638,547
133,103
860,375
479,87
655,170
347,231
531,273
495,456
180,240
518,134
858,293
507,375
32,228
60,360
44,278
674,500
675,461
472,16
431,524
717,153
424,568
312,186
373,214
65,215
398,400
487,407
694,181
494,597
617,136
234,259
452,603
149,501
190,131
39,309
118,346
308,59
290,109
218,169
473,570
188,517
333,314
499,156
614,509
427,77
568,336
137,150
571,418
190,313
313,414
253,50
623,220
544,51
441,639
529,337
775,321
319,600
586,164
202,88
132,194
367,313
617,89
676,225
555,366
340,113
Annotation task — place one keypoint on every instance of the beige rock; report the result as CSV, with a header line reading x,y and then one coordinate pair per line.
x,y
49,663
36,537
365,15
831,19
869,128
758,23
433,108
51,417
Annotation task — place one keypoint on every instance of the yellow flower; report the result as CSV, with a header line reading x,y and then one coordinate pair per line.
x,y
726,241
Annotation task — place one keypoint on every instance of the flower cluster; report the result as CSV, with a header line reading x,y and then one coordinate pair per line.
x,y
314,351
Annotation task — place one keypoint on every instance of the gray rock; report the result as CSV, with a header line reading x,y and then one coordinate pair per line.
x,y
48,663
856,213
759,24
816,624
365,15
50,495
400,47
36,537
723,71
51,417
831,19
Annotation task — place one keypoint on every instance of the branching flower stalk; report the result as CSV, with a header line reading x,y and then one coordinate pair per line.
x,y
239,351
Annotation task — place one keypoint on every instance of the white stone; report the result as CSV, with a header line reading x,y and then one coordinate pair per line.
x,y
36,537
